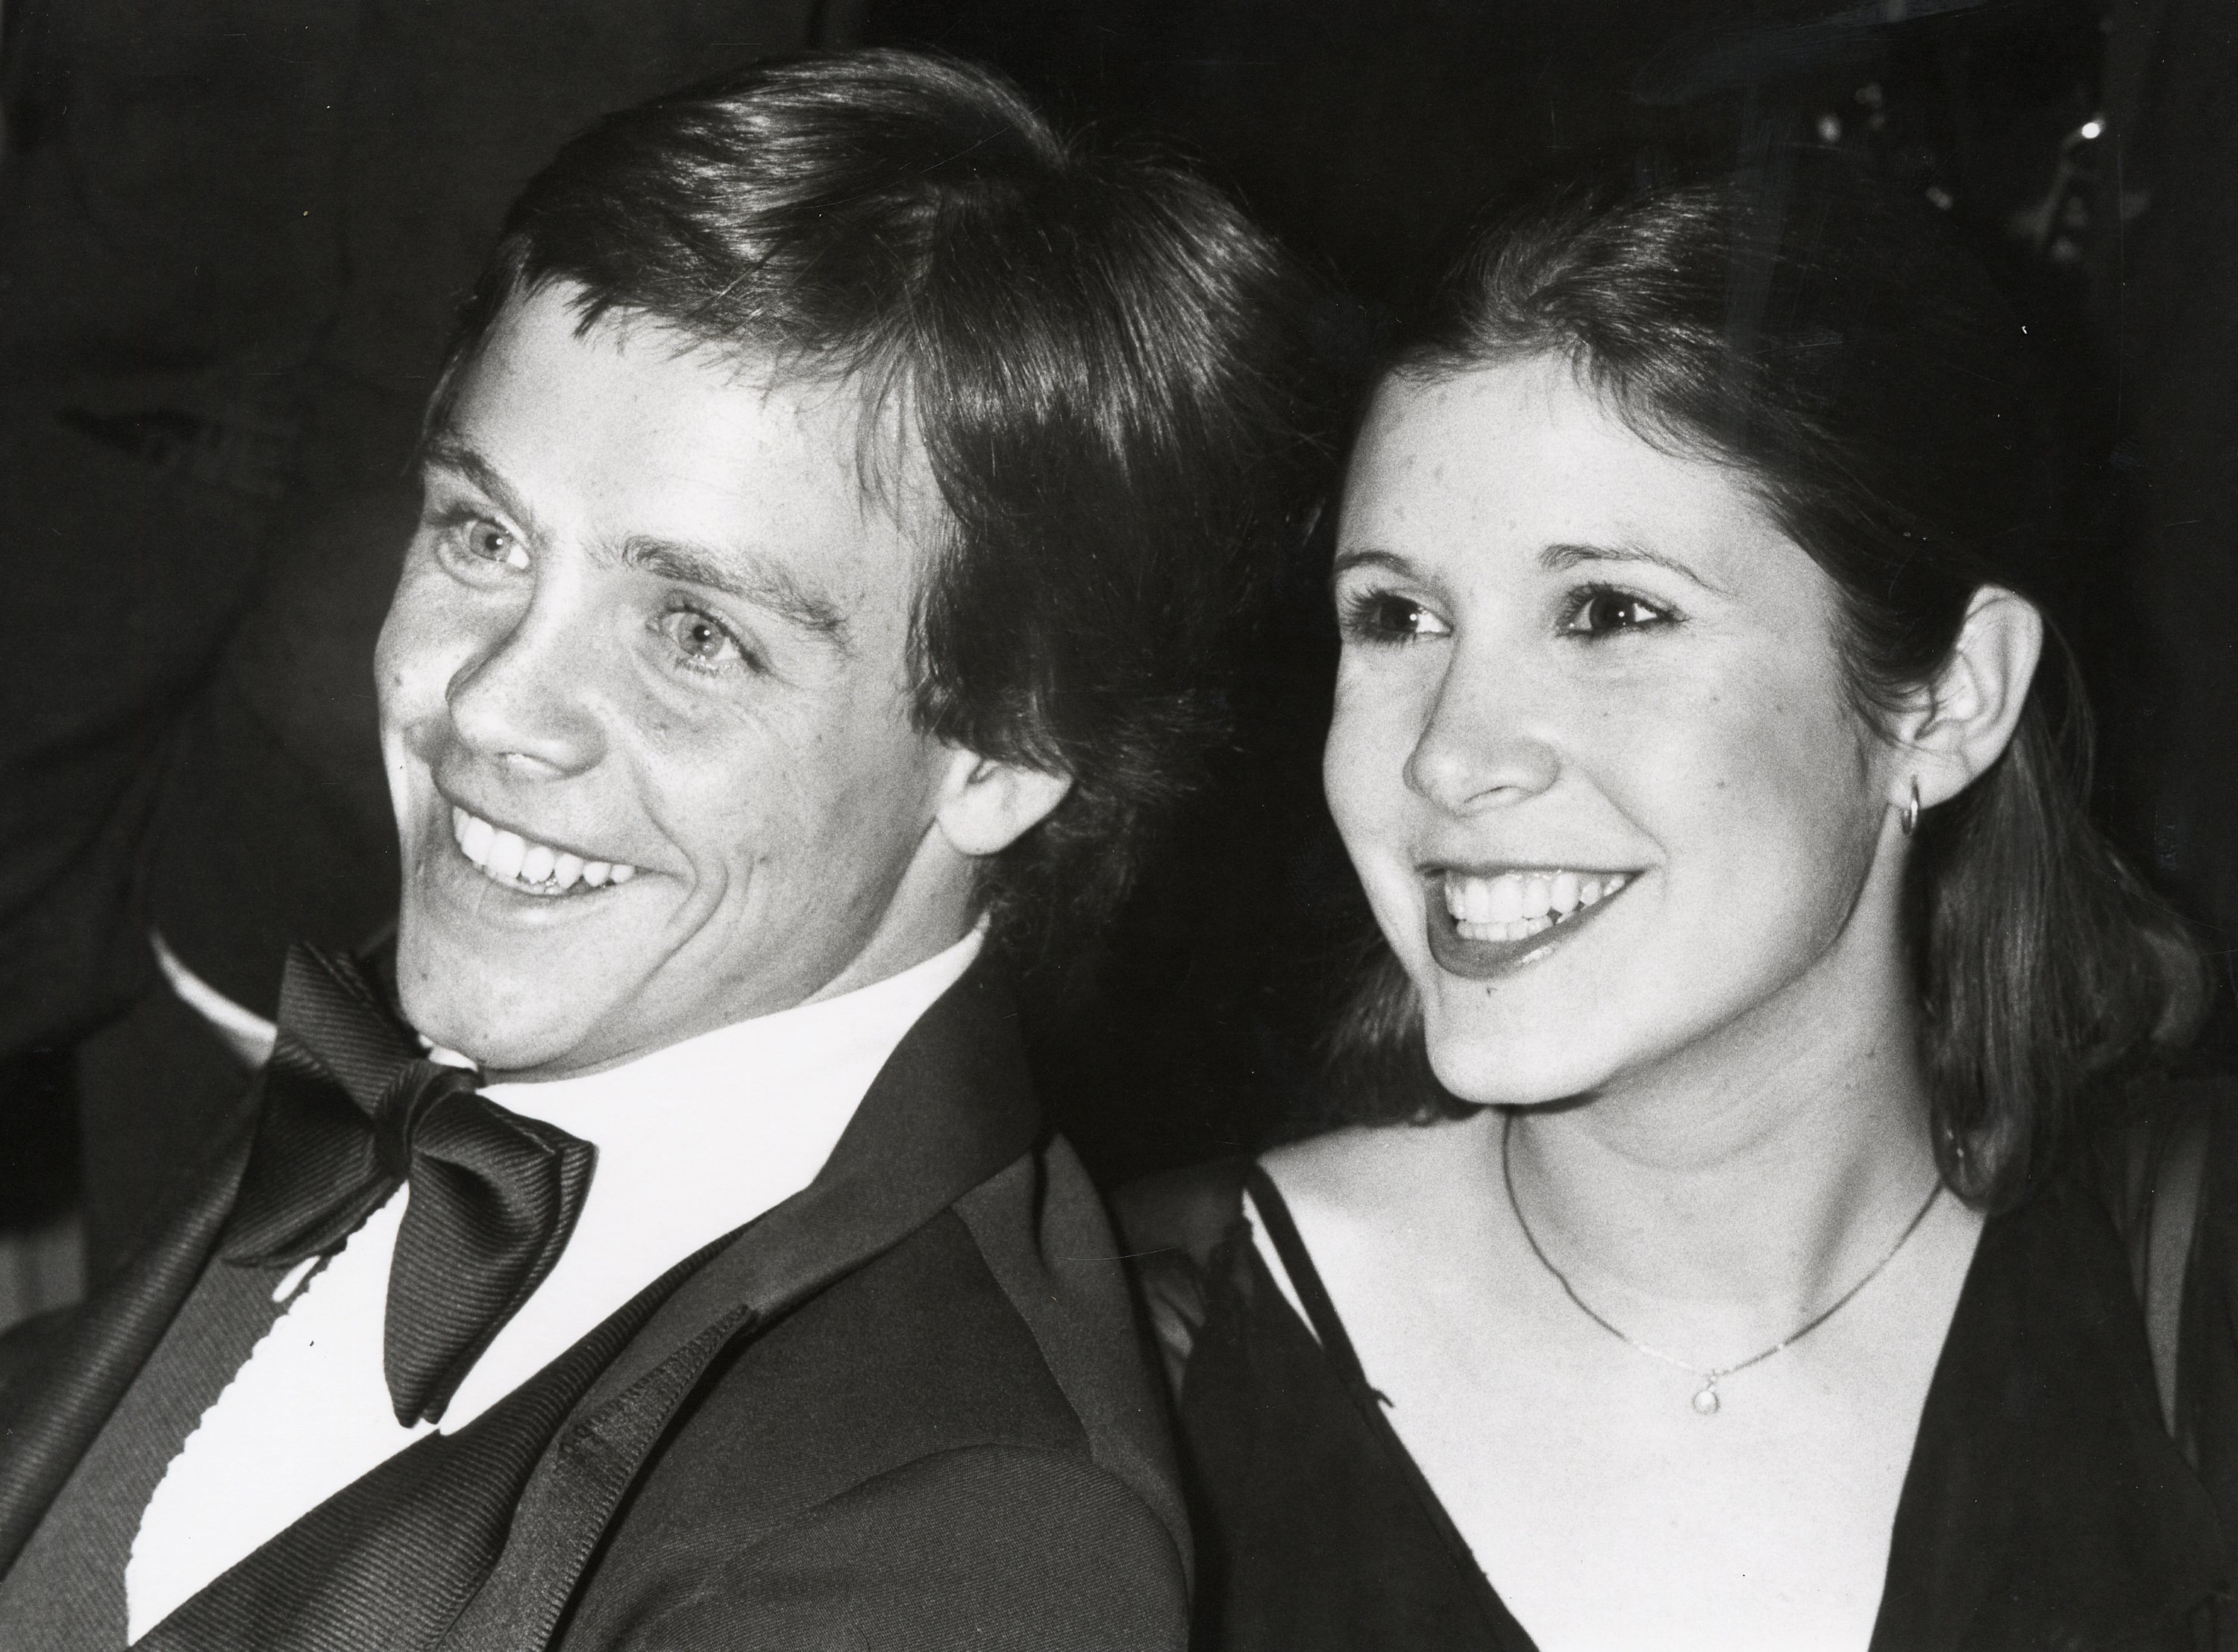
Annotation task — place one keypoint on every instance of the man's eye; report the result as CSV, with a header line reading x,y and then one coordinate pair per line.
x,y
1386,617
702,643
1601,612
487,542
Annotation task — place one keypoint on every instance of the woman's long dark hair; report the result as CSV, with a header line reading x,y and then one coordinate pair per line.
x,y
1838,349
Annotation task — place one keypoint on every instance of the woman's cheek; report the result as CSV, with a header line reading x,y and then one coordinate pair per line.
x,y
1372,728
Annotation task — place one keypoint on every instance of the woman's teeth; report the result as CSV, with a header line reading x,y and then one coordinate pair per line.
x,y
1517,905
508,858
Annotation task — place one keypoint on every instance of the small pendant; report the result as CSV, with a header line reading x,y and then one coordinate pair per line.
x,y
1705,1399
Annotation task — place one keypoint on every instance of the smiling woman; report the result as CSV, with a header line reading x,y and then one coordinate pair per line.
x,y
1718,1245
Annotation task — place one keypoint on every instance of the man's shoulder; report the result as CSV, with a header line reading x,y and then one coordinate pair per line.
x,y
978,1383
1001,1323
29,1347
913,1355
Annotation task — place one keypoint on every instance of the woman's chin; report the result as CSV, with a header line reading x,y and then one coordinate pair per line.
x,y
1504,1067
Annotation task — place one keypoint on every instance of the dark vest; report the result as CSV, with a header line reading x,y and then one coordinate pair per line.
x,y
371,1547
66,1591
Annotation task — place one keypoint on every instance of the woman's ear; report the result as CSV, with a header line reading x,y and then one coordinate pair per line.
x,y
1965,718
986,805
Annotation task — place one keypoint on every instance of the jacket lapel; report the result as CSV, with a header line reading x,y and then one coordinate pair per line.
x,y
950,1108
53,1416
2046,1505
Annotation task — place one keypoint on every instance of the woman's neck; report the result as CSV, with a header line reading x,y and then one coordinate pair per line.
x,y
1749,1178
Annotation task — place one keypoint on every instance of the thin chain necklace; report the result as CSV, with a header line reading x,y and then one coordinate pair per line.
x,y
1706,1397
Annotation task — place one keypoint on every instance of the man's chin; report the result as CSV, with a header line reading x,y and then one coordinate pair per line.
x,y
499,1040
516,1047
506,1015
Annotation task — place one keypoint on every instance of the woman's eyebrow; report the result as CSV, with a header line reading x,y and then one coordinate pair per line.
x,y
1556,557
1360,557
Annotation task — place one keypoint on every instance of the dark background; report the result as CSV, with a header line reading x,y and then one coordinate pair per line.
x,y
1360,132
231,235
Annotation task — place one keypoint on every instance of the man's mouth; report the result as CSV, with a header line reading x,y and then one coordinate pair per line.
x,y
1515,906
527,866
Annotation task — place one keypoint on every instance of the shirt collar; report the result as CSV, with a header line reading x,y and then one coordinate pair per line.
x,y
767,1052
695,1140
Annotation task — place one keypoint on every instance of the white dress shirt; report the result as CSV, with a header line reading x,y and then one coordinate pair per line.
x,y
692,1141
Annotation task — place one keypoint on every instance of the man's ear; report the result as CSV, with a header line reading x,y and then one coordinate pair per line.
x,y
1963,720
985,805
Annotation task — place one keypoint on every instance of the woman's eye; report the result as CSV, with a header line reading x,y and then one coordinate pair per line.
x,y
1602,612
1386,617
701,641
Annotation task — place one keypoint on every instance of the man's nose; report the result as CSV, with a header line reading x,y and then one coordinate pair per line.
x,y
1488,740
528,697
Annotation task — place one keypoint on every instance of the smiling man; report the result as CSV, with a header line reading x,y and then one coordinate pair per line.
x,y
645,709
837,488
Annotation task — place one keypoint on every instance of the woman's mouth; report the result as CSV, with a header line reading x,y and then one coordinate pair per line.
x,y
1483,924
527,867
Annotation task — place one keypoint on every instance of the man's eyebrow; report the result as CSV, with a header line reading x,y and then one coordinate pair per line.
x,y
748,577
449,451
1555,558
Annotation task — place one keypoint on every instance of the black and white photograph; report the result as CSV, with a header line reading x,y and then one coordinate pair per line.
x,y
1123,825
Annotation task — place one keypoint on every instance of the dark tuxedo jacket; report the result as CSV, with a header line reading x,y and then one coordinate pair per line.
x,y
905,1409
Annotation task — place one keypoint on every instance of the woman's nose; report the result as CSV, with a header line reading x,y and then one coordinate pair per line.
x,y
528,697
1482,744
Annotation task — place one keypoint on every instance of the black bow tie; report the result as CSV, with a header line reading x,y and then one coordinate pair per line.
x,y
350,1114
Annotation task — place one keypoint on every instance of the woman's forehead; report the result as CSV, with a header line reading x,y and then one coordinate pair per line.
x,y
1515,460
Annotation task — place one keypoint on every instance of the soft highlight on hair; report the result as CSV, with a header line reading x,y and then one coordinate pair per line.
x,y
1835,346
1098,355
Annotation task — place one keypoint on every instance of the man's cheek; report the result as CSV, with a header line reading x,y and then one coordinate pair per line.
x,y
413,665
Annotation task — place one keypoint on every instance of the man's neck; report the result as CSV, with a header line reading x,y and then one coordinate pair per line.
x,y
858,977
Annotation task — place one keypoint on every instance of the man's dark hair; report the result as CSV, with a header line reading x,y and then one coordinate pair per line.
x,y
1095,351
1833,343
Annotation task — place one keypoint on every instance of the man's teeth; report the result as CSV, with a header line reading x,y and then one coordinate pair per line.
x,y
1517,905
509,858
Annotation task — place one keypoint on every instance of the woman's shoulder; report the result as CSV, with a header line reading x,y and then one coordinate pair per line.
x,y
2153,1161
1188,1233
1173,1230
2168,1173
1181,1214
2165,1169
1361,1166
1190,1212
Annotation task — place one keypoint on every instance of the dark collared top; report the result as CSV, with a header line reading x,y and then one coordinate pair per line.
x,y
2045,1505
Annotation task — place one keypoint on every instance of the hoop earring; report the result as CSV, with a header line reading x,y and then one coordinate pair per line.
x,y
1909,820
